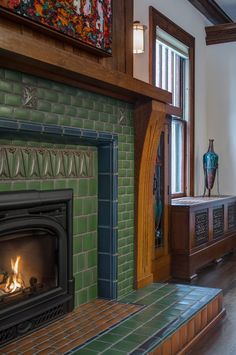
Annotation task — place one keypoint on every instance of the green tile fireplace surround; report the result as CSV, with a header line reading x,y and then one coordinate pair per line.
x,y
27,98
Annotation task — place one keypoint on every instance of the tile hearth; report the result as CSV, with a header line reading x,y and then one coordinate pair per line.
x,y
136,324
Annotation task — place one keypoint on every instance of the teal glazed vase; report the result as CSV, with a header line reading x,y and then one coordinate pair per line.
x,y
210,166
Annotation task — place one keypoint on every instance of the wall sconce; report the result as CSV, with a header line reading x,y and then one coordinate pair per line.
x,y
138,37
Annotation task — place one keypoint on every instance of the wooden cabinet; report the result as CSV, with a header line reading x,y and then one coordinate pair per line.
x,y
203,229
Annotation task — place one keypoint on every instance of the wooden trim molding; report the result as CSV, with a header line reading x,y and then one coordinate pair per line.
x,y
148,125
63,66
211,10
221,33
158,19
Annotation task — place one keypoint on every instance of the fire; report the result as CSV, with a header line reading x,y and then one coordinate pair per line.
x,y
14,281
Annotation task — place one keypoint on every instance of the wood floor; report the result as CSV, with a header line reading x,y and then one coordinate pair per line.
x,y
222,339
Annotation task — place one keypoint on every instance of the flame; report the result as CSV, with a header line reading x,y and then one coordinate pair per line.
x,y
14,281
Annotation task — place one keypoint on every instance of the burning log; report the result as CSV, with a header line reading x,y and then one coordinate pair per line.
x,y
14,281
3,277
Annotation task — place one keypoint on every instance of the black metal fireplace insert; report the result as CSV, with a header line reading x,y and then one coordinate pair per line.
x,y
36,276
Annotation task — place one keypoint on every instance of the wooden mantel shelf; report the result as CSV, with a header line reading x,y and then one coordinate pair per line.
x,y
26,53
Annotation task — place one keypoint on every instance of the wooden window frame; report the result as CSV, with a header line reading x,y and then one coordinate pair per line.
x,y
158,19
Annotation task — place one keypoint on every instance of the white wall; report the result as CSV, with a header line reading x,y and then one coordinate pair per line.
x,y
186,16
221,110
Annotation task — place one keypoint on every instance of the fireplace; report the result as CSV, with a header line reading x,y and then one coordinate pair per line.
x,y
36,279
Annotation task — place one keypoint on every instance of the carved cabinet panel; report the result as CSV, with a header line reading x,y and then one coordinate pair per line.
x,y
203,229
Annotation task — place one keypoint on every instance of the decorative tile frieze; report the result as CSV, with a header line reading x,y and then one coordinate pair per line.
x,y
18,163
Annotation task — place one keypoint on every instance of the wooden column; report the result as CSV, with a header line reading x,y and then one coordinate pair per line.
x,y
149,121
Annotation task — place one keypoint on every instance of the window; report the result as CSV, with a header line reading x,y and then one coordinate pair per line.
x,y
172,69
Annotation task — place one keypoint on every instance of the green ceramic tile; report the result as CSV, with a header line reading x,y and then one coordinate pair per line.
x,y
110,338
92,292
64,98
13,75
47,184
78,281
70,110
65,105
92,258
21,113
81,261
29,79
82,224
89,277
89,241
5,186
121,330
44,106
50,95
83,296
82,113
92,222
83,187
114,352
136,338
77,245
58,108
6,111
37,116
12,100
5,86
124,346
84,351
97,345
76,101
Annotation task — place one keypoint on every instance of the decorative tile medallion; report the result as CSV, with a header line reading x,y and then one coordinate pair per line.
x,y
18,163
29,98
122,116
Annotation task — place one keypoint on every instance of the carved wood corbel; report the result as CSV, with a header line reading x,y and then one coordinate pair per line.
x,y
149,122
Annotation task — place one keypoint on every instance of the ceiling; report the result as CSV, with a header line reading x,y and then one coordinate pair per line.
x,y
229,7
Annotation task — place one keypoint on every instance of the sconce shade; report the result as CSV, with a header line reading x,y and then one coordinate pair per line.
x,y
138,37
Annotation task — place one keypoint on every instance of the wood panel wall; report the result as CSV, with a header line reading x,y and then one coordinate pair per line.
x,y
122,56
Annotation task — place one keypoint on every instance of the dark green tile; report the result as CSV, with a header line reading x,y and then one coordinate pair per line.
x,y
5,86
113,351
124,346
77,245
89,242
92,258
84,351
12,100
121,330
78,281
110,338
92,292
82,225
97,345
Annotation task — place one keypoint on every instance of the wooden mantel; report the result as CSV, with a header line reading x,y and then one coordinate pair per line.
x,y
26,53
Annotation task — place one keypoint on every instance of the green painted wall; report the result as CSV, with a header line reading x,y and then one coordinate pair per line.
x,y
66,105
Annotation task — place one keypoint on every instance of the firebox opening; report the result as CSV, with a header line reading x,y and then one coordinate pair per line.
x,y
28,264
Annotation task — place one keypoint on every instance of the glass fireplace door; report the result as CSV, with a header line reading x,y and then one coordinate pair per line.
x,y
28,264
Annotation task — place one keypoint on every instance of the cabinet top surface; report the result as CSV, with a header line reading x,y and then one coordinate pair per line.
x,y
196,200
